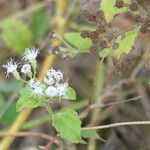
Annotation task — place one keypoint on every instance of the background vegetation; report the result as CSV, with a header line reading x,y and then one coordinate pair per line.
x,y
110,87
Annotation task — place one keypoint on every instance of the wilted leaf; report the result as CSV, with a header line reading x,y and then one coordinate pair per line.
x,y
125,45
76,40
68,124
108,6
105,52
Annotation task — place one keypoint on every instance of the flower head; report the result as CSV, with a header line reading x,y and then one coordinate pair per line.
x,y
49,80
58,76
51,91
38,91
10,67
33,83
26,69
30,54
62,88
50,73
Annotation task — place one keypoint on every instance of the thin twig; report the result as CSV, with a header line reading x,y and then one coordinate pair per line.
x,y
107,94
97,105
48,146
129,29
118,124
34,134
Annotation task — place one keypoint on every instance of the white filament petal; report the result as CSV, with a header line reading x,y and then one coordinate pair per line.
x,y
62,88
51,91
30,54
10,67
38,91
49,80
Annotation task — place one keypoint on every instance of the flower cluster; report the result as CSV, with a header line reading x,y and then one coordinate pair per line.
x,y
52,85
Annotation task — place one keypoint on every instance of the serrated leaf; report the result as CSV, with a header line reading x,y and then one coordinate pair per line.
x,y
89,134
105,52
125,45
108,6
76,40
68,124
39,24
27,99
70,94
16,35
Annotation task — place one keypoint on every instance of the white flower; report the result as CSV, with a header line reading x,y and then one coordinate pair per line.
x,y
30,54
33,83
38,91
58,75
26,69
50,73
49,80
10,67
62,88
51,91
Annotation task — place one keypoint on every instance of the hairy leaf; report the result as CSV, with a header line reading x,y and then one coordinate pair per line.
x,y
70,94
89,134
27,99
68,124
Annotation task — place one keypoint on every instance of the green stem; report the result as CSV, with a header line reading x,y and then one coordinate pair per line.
x,y
23,80
49,109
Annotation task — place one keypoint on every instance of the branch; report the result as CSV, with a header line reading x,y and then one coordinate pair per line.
x,y
129,29
48,146
118,124
98,105
34,134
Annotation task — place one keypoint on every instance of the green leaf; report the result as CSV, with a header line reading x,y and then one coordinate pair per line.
x,y
68,124
108,6
125,45
39,24
27,99
89,134
76,40
2,101
105,52
16,35
70,94
9,113
8,86
71,51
